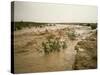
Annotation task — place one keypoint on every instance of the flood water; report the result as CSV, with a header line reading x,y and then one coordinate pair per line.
x,y
33,61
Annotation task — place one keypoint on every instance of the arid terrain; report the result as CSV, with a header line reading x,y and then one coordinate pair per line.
x,y
55,48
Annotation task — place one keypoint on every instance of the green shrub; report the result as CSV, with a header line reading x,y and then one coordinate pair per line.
x,y
72,35
53,44
64,45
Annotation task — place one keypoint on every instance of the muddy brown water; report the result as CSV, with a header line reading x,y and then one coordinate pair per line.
x,y
30,60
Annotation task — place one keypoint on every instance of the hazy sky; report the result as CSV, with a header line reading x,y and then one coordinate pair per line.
x,y
48,12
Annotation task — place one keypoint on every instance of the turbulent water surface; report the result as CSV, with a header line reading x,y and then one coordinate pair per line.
x,y
29,55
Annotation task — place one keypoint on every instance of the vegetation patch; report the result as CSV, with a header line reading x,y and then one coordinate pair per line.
x,y
53,44
71,34
93,26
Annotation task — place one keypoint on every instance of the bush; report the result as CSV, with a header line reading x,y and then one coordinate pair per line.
x,y
72,35
53,44
93,26
64,45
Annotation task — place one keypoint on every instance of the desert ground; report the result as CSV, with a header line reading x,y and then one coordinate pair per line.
x,y
55,48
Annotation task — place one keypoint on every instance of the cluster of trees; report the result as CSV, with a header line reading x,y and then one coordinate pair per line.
x,y
21,24
93,26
